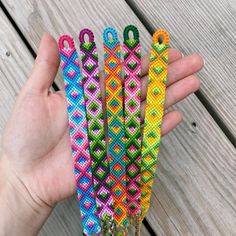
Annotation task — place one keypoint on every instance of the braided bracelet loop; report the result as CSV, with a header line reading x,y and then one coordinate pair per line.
x,y
114,37
161,37
90,34
133,29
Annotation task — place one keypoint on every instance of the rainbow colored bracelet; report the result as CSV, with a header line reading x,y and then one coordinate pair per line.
x,y
78,135
115,121
153,114
132,101
96,134
115,189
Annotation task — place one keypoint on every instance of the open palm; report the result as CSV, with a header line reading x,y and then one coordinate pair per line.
x,y
36,143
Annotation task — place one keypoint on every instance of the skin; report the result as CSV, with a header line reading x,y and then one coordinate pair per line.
x,y
36,168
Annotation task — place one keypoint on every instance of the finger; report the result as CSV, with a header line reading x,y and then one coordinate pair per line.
x,y
177,71
177,92
46,64
174,55
170,121
184,67
181,89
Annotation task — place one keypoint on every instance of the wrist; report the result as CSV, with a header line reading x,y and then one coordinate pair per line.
x,y
20,213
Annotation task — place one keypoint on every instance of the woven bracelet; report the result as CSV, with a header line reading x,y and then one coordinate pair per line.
x,y
96,134
132,100
153,114
78,135
115,120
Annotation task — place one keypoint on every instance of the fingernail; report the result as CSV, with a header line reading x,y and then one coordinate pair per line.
x,y
45,34
204,62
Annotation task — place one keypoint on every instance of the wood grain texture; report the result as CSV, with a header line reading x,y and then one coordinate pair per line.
x,y
15,65
194,192
69,17
209,28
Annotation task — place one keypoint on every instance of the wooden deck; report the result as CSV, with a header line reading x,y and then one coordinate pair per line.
x,y
195,190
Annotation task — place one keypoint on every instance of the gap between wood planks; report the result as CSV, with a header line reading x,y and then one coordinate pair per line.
x,y
54,85
198,94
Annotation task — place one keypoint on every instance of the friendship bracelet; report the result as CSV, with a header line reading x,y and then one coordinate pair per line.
x,y
115,120
78,135
153,114
96,134
132,82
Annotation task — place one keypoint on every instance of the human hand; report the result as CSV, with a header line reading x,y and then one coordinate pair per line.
x,y
36,144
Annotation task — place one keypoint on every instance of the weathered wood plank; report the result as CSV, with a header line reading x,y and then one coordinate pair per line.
x,y
15,65
64,220
195,191
183,193
70,17
209,28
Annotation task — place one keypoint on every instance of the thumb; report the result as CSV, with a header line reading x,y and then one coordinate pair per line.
x,y
46,64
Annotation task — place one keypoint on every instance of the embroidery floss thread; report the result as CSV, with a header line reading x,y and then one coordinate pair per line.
x,y
78,135
96,134
132,91
153,114
115,120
